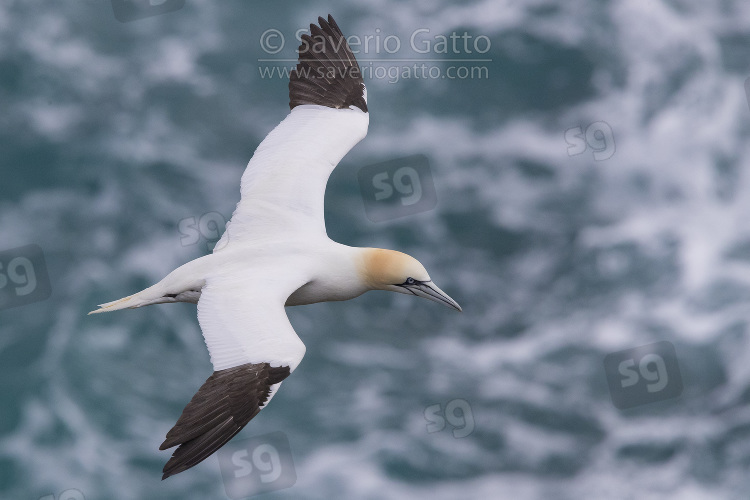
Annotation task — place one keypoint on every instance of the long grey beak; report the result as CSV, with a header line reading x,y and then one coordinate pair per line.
x,y
430,291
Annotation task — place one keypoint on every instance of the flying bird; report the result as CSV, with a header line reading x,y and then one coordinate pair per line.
x,y
275,253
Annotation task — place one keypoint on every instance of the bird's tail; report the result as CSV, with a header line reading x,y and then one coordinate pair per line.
x,y
157,294
130,302
184,284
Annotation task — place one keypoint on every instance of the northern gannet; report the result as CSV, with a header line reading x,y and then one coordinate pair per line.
x,y
275,253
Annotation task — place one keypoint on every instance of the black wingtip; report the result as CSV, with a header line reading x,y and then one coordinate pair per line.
x,y
327,72
224,404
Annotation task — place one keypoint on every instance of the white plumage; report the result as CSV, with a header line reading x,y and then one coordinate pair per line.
x,y
284,185
275,253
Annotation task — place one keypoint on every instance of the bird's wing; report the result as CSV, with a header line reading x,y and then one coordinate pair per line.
x,y
253,348
284,184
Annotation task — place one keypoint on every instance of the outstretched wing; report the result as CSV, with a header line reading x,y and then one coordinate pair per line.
x,y
253,349
284,184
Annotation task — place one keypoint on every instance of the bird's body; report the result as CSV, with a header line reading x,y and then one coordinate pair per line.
x,y
275,253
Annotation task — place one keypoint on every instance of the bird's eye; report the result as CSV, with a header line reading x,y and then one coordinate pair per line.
x,y
410,281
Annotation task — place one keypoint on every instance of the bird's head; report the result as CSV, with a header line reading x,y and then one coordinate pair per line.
x,y
398,272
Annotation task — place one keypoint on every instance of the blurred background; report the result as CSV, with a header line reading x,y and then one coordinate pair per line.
x,y
579,192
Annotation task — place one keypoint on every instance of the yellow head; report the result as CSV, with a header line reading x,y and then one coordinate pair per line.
x,y
398,272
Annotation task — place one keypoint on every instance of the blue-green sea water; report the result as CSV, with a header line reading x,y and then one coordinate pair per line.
x,y
591,196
